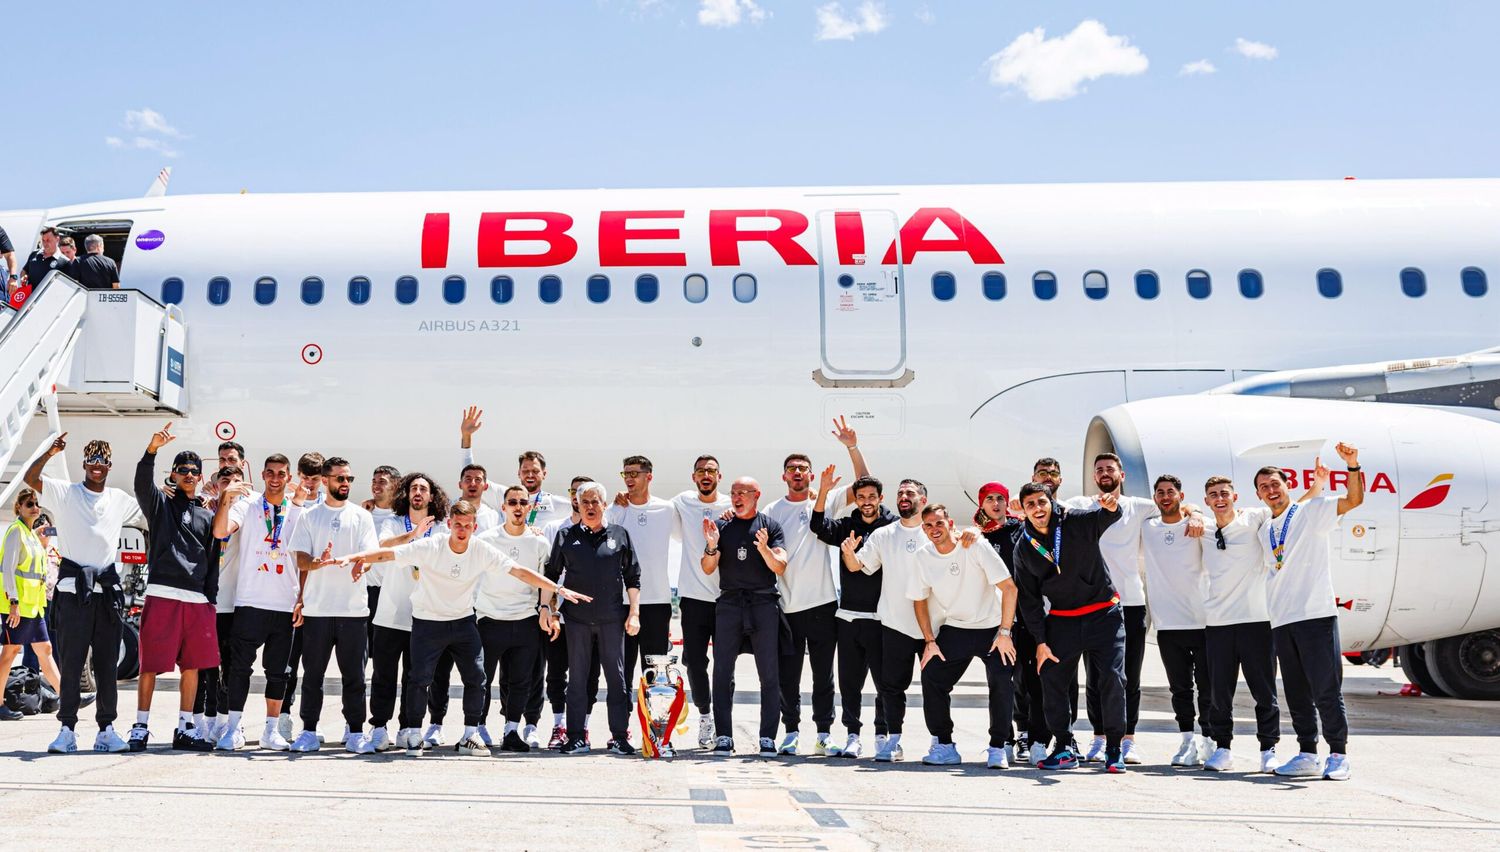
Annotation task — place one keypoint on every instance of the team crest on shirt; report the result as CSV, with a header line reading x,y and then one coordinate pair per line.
x,y
742,554
640,519
455,571
515,553
610,543
1170,537
953,568
187,517
337,522
911,546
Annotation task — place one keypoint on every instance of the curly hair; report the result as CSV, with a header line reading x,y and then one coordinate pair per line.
x,y
438,507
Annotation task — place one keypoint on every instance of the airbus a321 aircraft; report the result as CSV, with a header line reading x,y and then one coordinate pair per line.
x,y
964,331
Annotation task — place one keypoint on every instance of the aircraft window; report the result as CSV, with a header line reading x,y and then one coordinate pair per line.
x,y
406,289
312,291
1475,283
1199,284
550,289
1252,286
597,288
944,286
1044,284
171,291
218,290
744,288
647,288
453,289
993,284
359,290
695,288
1413,282
502,289
1095,284
1330,283
1147,284
265,291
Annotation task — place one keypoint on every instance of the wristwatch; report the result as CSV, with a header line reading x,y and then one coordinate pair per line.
x,y
1005,631
710,551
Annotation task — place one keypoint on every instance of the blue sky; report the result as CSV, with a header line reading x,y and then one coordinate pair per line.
x,y
336,96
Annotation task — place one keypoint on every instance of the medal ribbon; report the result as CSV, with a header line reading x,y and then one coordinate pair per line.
x,y
274,520
1278,548
407,519
1056,552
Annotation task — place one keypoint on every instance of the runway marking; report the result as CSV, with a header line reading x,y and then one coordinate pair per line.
x,y
710,814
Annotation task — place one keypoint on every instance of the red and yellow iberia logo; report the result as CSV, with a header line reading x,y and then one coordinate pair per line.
x,y
1435,493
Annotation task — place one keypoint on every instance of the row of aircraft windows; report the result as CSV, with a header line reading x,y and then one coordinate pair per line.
x,y
455,289
1199,284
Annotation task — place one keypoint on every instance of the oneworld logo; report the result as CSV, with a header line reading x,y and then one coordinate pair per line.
x,y
150,240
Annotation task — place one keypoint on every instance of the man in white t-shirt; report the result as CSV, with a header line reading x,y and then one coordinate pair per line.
x,y
698,593
892,550
965,605
809,591
508,617
88,516
311,489
450,567
330,611
1304,619
653,526
383,484
266,581
1176,586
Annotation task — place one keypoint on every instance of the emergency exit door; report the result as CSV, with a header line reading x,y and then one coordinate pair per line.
x,y
863,299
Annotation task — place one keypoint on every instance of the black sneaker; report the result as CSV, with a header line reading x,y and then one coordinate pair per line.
x,y
724,746
577,745
140,736
620,746
10,715
187,740
513,742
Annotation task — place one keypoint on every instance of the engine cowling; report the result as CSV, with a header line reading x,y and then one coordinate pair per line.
x,y
1410,563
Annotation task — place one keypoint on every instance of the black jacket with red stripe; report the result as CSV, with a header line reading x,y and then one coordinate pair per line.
x,y
1078,580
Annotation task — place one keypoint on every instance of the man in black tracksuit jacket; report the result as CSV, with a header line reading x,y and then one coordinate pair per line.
x,y
1057,558
858,637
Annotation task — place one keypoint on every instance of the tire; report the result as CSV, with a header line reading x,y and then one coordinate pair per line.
x,y
130,653
1467,666
1414,664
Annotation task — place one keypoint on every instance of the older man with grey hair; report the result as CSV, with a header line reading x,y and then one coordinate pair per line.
x,y
598,561
95,270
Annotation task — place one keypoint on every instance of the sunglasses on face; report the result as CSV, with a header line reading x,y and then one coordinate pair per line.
x,y
28,504
518,502
632,474
1219,541
187,471
97,461
342,478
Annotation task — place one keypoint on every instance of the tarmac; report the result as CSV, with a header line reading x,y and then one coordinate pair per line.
x,y
1420,782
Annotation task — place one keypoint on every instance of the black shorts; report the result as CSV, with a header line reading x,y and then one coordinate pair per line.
x,y
28,632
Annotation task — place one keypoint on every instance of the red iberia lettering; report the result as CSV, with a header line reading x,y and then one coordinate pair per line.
x,y
725,236
615,233
435,241
967,238
849,237
496,236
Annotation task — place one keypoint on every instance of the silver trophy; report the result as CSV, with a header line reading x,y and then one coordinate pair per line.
x,y
661,704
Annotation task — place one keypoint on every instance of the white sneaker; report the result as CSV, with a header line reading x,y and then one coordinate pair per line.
x,y
1096,750
306,741
411,740
942,754
271,738
66,742
1337,768
1038,754
484,736
380,739
1010,754
532,737
820,745
109,741
880,740
434,737
705,732
1304,765
1222,760
1187,753
998,758
788,744
1268,761
358,743
473,746
284,726
215,727
890,750
852,748
1206,749
231,740
1128,751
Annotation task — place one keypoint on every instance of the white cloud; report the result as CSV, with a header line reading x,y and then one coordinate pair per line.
x,y
730,13
141,143
1254,49
1201,66
149,121
1054,69
834,25
924,14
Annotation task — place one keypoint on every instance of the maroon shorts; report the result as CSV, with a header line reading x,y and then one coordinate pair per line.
x,y
179,635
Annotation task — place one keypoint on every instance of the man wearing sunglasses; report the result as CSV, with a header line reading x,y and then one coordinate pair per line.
x,y
89,517
653,526
178,624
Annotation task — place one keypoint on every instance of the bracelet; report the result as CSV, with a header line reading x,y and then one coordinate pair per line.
x,y
710,552
1353,467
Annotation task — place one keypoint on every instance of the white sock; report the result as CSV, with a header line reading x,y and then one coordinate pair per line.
x,y
557,720
892,740
184,719
142,717
470,731
510,727
529,730
585,724
234,718
199,721
271,721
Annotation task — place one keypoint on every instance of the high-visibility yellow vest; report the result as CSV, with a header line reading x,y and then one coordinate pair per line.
x,y
31,571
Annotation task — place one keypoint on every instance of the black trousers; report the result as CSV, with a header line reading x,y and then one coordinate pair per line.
x,y
815,635
1028,713
655,638
1184,655
322,638
1098,637
1232,648
1312,673
549,679
270,633
390,666
960,646
511,648
697,634
82,627
608,641
429,640
859,655
740,619
437,695
213,684
1135,655
899,654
